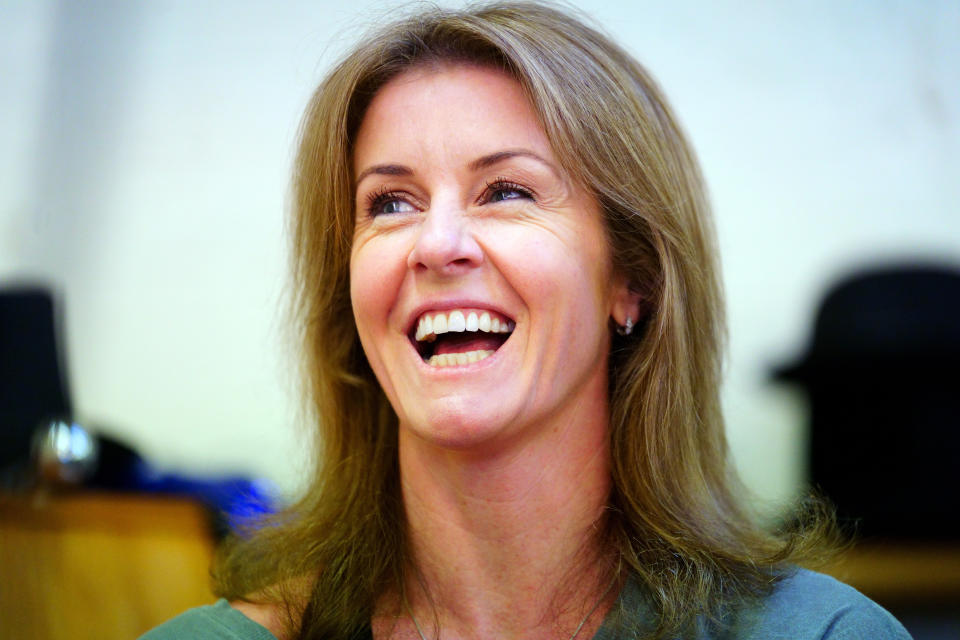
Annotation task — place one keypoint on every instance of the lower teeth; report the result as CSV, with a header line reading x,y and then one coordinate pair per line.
x,y
453,359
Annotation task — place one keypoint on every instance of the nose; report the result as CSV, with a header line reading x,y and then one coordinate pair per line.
x,y
445,244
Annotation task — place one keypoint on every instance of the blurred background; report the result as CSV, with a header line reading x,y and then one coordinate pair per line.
x,y
145,153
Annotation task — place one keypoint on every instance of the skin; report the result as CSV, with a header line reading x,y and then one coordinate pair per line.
x,y
461,203
450,239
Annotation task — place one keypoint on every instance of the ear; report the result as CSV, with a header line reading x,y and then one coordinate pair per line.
x,y
625,303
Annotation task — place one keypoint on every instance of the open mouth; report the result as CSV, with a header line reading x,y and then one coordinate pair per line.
x,y
459,336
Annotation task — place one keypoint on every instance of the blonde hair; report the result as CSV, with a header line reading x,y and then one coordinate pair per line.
x,y
676,516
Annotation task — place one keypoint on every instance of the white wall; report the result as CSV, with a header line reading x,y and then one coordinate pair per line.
x,y
145,149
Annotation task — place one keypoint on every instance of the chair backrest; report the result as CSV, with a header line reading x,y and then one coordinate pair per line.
x,y
32,384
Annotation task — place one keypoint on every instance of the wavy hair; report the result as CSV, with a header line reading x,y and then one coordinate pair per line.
x,y
676,514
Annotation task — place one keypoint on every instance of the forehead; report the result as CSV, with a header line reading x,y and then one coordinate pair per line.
x,y
452,109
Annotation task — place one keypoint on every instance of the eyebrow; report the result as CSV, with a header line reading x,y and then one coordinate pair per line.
x,y
480,163
499,156
384,170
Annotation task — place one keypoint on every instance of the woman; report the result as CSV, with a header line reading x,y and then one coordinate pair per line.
x,y
510,310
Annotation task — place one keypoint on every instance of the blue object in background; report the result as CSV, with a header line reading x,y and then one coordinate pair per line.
x,y
236,503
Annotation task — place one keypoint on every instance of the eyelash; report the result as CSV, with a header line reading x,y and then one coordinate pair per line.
x,y
502,184
383,195
376,199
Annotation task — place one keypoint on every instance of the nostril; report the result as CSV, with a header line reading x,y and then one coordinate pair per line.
x,y
442,247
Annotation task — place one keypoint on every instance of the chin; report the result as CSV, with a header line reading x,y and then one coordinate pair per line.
x,y
456,425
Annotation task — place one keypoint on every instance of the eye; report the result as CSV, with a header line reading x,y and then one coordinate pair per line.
x,y
501,190
388,202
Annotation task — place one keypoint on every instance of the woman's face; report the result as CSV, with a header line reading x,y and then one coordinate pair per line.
x,y
481,280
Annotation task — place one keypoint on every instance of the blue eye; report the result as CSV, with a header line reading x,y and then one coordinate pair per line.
x,y
506,194
502,190
395,206
388,203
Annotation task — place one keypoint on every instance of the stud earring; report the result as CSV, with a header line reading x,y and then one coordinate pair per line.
x,y
627,327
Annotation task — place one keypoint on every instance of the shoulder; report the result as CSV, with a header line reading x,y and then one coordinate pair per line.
x,y
217,621
811,606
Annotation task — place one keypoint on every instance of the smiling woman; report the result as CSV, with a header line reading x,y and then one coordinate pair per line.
x,y
511,324
477,221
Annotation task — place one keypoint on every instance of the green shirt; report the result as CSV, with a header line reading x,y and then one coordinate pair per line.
x,y
804,606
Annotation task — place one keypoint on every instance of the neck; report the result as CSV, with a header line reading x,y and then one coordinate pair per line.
x,y
507,543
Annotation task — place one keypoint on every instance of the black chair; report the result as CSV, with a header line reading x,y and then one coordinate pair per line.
x,y
882,374
32,384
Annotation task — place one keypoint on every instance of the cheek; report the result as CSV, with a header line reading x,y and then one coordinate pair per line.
x,y
569,271
373,288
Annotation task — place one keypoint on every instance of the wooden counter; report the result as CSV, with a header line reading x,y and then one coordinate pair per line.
x,y
903,573
99,566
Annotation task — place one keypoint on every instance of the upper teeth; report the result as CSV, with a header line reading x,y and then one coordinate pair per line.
x,y
431,325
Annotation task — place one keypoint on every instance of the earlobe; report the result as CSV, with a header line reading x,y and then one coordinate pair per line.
x,y
626,308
